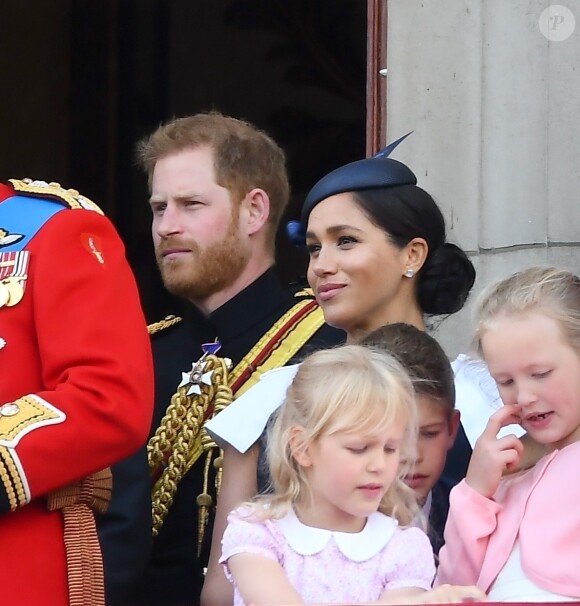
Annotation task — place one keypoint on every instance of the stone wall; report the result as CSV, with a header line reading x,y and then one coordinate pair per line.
x,y
494,105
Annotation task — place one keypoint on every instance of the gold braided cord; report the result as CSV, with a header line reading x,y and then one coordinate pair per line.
x,y
163,324
206,444
170,426
180,434
204,502
181,439
223,398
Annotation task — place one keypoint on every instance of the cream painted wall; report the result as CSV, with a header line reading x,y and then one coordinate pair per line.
x,y
495,108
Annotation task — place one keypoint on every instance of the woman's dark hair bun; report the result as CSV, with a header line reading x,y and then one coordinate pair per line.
x,y
445,280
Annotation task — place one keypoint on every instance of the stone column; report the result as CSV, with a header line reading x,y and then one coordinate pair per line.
x,y
493,98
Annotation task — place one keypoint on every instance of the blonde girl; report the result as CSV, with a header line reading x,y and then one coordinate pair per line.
x,y
518,537
335,527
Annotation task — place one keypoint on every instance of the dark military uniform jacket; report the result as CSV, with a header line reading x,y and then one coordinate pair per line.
x,y
439,511
175,574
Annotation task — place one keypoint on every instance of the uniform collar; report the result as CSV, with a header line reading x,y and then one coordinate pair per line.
x,y
358,547
238,315
235,317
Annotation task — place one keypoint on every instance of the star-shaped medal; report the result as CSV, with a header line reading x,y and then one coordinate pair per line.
x,y
196,377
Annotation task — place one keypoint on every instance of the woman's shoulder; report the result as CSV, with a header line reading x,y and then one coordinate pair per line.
x,y
243,421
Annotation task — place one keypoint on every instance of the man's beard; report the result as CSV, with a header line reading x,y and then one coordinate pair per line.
x,y
207,270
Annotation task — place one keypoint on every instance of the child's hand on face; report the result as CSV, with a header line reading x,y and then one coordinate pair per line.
x,y
493,456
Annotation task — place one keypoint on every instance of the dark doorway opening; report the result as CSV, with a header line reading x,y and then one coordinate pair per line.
x,y
296,68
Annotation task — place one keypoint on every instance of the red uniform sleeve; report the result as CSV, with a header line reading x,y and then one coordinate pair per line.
x,y
77,360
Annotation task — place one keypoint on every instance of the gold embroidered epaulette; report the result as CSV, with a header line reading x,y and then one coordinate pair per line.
x,y
18,418
68,197
305,292
163,324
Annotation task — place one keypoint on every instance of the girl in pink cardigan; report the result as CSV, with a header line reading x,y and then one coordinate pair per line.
x,y
518,537
336,528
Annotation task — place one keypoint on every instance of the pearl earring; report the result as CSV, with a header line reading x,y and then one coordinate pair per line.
x,y
409,272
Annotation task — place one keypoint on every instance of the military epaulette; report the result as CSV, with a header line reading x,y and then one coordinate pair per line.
x,y
17,419
163,324
67,197
304,292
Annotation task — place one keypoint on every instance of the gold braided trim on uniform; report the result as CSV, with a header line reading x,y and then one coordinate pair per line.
x,y
163,324
16,419
286,349
11,480
69,197
30,413
199,441
181,437
305,292
7,483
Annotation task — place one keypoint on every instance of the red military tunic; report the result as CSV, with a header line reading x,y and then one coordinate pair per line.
x,y
75,379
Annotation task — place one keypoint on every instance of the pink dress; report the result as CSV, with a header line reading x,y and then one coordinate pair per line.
x,y
334,567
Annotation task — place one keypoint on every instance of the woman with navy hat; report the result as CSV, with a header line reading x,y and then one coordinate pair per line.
x,y
378,254
377,238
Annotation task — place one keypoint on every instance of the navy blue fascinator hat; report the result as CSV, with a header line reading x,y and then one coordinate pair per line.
x,y
379,171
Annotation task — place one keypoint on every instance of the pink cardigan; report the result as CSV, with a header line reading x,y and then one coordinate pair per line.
x,y
543,503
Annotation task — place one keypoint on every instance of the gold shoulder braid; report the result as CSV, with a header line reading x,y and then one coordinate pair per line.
x,y
176,446
167,322
67,197
181,439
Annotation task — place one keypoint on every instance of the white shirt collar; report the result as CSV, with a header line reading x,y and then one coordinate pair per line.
x,y
358,547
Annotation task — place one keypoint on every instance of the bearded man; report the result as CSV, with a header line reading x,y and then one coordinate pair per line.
x,y
219,187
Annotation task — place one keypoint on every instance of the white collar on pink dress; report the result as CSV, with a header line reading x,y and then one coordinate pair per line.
x,y
358,546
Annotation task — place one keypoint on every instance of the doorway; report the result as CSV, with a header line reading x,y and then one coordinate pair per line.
x,y
296,68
